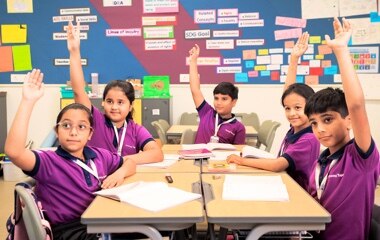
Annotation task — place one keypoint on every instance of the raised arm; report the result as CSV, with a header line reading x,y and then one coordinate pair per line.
x,y
16,139
76,71
298,50
351,85
195,84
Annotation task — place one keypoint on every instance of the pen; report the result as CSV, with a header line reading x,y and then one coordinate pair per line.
x,y
168,178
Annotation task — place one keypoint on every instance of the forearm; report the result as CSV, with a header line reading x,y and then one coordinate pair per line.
x,y
128,168
147,156
292,71
17,135
273,165
77,79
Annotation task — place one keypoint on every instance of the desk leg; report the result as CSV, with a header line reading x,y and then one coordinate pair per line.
x,y
260,230
211,231
223,233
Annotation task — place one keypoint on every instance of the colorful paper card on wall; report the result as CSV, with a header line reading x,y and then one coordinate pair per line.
x,y
6,62
13,33
20,6
21,58
156,86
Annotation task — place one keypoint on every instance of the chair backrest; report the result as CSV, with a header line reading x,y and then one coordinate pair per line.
x,y
251,119
188,137
35,224
374,231
266,134
160,132
164,124
189,119
50,140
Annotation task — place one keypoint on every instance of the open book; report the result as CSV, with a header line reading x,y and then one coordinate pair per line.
x,y
252,152
151,196
209,146
195,153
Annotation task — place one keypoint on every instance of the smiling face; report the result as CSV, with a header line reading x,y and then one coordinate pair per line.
x,y
294,106
223,105
331,129
73,131
116,106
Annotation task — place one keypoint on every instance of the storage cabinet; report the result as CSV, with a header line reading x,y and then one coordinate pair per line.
x,y
154,109
3,120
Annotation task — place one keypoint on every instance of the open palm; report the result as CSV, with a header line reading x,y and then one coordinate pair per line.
x,y
33,87
342,33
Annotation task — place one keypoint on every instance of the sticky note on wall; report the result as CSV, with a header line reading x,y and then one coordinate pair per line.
x,y
6,63
13,33
21,58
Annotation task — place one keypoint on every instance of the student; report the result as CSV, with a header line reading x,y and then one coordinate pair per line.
x,y
344,177
114,130
219,124
300,148
74,169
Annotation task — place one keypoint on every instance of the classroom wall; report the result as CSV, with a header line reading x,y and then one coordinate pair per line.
x,y
263,99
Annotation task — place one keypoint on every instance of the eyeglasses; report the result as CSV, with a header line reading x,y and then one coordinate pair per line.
x,y
67,126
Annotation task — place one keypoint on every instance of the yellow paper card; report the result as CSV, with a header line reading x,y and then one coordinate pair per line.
x,y
13,33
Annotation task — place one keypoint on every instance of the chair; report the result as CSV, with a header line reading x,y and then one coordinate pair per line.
x,y
30,212
266,134
160,132
374,232
251,119
188,137
50,140
164,124
189,119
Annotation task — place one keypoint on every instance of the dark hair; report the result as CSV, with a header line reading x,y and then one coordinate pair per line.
x,y
301,89
126,87
227,88
327,99
75,106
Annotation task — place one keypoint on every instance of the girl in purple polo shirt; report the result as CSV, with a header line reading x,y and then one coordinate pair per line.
x,y
344,177
299,149
73,169
114,130
216,124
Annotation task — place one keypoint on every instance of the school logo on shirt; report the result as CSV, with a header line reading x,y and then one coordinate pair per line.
x,y
129,146
229,131
338,175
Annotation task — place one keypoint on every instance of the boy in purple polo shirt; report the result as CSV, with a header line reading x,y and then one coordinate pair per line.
x,y
114,130
344,178
300,148
74,169
219,124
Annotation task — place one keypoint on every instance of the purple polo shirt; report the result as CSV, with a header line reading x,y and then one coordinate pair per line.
x,y
301,150
64,188
233,132
349,191
104,135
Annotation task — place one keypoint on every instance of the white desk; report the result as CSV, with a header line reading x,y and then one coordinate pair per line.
x,y
109,216
302,212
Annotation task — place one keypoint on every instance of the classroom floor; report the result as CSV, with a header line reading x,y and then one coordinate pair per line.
x,y
6,203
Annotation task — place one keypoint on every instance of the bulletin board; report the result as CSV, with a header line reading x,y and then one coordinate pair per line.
x,y
136,38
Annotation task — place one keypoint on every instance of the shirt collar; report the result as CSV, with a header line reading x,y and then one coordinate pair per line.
x,y
293,137
87,152
225,119
326,158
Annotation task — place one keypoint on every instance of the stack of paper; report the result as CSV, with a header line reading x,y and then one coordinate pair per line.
x,y
209,146
252,152
254,188
151,196
169,160
195,153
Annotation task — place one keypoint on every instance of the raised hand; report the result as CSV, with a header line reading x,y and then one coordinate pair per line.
x,y
33,87
342,33
73,40
301,45
194,53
